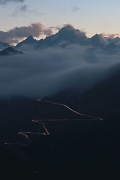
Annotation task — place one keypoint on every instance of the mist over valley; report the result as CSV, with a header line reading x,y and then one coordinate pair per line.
x,y
49,67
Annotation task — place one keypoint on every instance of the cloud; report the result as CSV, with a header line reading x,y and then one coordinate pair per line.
x,y
35,29
69,28
24,10
39,14
110,35
8,1
103,40
75,8
48,72
3,36
77,32
58,27
20,10
33,11
106,25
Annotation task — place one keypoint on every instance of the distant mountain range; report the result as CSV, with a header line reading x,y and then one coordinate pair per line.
x,y
67,36
98,41
64,38
10,51
3,45
29,40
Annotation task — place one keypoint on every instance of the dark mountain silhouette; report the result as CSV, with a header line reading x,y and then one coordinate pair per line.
x,y
112,48
113,40
28,41
4,45
85,149
9,51
98,41
111,45
67,35
11,168
101,100
73,35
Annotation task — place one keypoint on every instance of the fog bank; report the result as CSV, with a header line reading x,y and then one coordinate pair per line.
x,y
48,72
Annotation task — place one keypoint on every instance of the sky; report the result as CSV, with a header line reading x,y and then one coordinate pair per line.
x,y
91,16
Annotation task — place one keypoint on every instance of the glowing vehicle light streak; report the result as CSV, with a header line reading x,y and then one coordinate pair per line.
x,y
20,144
56,120
51,120
69,109
46,130
8,143
24,134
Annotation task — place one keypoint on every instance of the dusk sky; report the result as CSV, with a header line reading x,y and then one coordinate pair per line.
x,y
91,16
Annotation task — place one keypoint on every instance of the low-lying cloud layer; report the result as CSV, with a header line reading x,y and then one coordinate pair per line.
x,y
35,29
48,72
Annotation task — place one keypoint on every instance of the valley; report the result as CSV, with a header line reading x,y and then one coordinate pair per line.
x,y
60,106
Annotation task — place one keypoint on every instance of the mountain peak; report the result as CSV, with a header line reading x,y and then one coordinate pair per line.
x,y
67,28
73,35
30,37
71,30
98,40
97,36
28,40
10,51
3,45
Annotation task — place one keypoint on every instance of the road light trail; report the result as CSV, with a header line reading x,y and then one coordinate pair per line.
x,y
24,134
20,144
33,133
8,143
47,133
46,130
51,120
70,109
56,120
